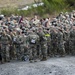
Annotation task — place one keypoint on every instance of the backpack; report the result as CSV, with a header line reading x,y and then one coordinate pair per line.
x,y
33,39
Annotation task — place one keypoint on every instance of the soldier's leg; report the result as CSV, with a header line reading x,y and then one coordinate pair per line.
x,y
49,50
30,53
7,54
38,50
54,49
0,58
3,52
62,50
0,55
12,55
39,53
44,52
18,52
34,52
22,52
73,48
70,47
15,52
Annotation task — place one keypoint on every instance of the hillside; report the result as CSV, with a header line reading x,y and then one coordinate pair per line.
x,y
15,3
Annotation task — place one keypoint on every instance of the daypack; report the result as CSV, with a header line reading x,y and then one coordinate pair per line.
x,y
33,39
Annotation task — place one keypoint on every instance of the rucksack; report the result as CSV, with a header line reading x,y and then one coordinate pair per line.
x,y
33,39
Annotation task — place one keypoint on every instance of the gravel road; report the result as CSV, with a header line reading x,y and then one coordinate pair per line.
x,y
53,66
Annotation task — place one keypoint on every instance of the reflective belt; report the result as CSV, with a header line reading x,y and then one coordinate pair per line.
x,y
47,35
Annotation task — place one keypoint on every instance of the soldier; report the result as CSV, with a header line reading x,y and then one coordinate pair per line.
x,y
25,55
5,44
12,47
19,45
72,41
47,34
66,35
0,50
60,44
43,44
0,58
53,34
33,39
0,55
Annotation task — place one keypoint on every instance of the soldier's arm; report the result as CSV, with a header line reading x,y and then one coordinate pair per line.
x,y
9,39
27,40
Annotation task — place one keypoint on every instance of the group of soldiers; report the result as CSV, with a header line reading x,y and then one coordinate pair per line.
x,y
25,39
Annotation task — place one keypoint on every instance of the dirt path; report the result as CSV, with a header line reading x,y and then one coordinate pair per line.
x,y
53,66
15,3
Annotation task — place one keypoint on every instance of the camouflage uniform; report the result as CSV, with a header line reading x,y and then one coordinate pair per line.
x,y
25,46
43,44
61,48
5,45
53,42
33,39
13,47
19,47
0,54
0,50
66,35
47,34
72,41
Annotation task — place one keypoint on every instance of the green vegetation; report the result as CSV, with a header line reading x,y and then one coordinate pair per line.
x,y
50,7
56,6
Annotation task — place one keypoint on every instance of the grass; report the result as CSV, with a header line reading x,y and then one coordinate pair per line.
x,y
51,7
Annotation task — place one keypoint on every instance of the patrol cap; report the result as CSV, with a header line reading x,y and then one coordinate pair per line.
x,y
33,28
61,12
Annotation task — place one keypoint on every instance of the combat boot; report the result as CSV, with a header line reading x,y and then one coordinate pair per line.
x,y
31,61
44,59
2,61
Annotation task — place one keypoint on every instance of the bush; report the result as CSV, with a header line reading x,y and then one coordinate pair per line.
x,y
54,5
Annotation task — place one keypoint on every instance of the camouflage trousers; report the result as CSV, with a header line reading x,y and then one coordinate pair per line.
x,y
38,51
72,46
12,52
61,49
0,55
32,52
53,48
19,51
5,53
49,49
44,50
67,50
